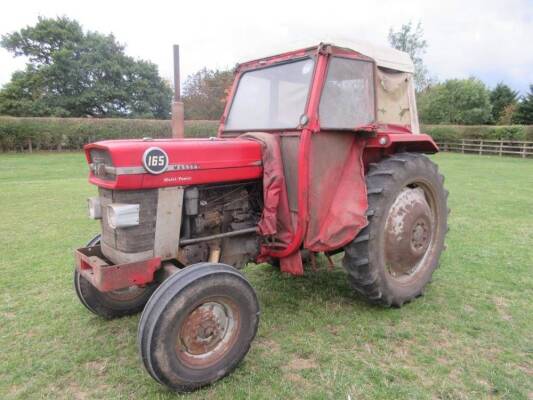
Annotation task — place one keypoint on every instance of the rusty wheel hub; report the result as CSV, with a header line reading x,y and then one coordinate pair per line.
x,y
408,233
207,333
420,236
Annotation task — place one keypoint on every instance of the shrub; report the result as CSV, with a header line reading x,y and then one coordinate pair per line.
x,y
528,132
488,132
456,101
442,132
72,133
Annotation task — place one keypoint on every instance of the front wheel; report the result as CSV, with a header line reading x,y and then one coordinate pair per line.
x,y
113,304
392,259
198,326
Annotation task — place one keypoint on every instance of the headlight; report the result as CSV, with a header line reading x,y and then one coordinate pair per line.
x,y
95,209
122,215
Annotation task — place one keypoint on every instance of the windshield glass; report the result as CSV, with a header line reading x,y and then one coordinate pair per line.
x,y
272,97
347,99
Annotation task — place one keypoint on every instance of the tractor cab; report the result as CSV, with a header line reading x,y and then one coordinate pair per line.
x,y
329,87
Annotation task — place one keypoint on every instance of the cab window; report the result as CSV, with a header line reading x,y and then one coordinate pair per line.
x,y
347,100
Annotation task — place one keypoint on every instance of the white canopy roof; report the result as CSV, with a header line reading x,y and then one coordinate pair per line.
x,y
386,57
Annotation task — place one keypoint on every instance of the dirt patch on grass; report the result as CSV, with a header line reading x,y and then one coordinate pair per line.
x,y
73,391
501,306
295,378
333,329
14,390
268,345
526,369
469,309
80,395
96,367
298,364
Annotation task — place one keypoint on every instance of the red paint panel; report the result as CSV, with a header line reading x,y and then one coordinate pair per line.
x,y
218,160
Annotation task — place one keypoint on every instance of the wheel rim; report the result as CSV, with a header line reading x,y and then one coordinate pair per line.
x,y
208,332
409,232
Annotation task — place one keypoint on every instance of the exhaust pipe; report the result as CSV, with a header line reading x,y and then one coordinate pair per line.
x,y
178,115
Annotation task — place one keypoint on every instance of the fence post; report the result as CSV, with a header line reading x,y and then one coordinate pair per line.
x,y
501,148
30,147
462,146
480,147
524,150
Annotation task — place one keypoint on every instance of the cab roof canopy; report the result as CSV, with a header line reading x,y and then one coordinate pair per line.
x,y
385,57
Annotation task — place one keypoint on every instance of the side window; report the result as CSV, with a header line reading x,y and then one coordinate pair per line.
x,y
348,95
271,98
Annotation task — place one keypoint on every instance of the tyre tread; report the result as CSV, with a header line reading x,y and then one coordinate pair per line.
x,y
358,260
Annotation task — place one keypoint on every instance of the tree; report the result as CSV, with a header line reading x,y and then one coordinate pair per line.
x,y
507,115
410,39
501,97
76,74
456,101
524,111
205,92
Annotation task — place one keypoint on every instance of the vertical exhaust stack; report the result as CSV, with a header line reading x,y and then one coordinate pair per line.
x,y
178,116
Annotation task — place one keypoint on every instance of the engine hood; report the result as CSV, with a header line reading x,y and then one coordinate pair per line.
x,y
121,164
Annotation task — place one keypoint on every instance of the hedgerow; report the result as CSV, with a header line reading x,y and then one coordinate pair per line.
x,y
488,132
21,134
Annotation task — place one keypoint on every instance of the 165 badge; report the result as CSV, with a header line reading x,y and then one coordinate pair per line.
x,y
155,160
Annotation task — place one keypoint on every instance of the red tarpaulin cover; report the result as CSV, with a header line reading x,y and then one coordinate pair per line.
x,y
337,194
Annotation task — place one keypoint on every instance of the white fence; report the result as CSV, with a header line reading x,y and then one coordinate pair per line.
x,y
494,147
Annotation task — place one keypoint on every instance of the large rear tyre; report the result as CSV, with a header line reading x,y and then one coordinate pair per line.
x,y
393,258
198,325
114,304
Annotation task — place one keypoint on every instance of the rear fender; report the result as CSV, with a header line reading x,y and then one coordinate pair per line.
x,y
385,144
390,143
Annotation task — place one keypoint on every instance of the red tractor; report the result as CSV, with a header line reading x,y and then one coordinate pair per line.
x,y
318,151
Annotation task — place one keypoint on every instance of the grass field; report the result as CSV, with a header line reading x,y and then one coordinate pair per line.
x,y
470,336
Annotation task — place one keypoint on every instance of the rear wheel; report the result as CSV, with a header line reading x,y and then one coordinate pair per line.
x,y
392,259
198,326
113,304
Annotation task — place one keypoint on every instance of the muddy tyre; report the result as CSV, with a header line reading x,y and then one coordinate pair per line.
x,y
392,259
114,304
198,325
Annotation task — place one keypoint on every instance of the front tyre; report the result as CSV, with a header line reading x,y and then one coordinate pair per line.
x,y
392,259
113,304
198,325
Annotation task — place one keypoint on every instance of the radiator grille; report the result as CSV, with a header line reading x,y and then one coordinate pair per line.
x,y
134,239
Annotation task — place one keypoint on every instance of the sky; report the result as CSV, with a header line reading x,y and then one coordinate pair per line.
x,y
490,39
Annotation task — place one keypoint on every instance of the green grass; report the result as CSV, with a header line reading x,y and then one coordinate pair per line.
x,y
470,336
